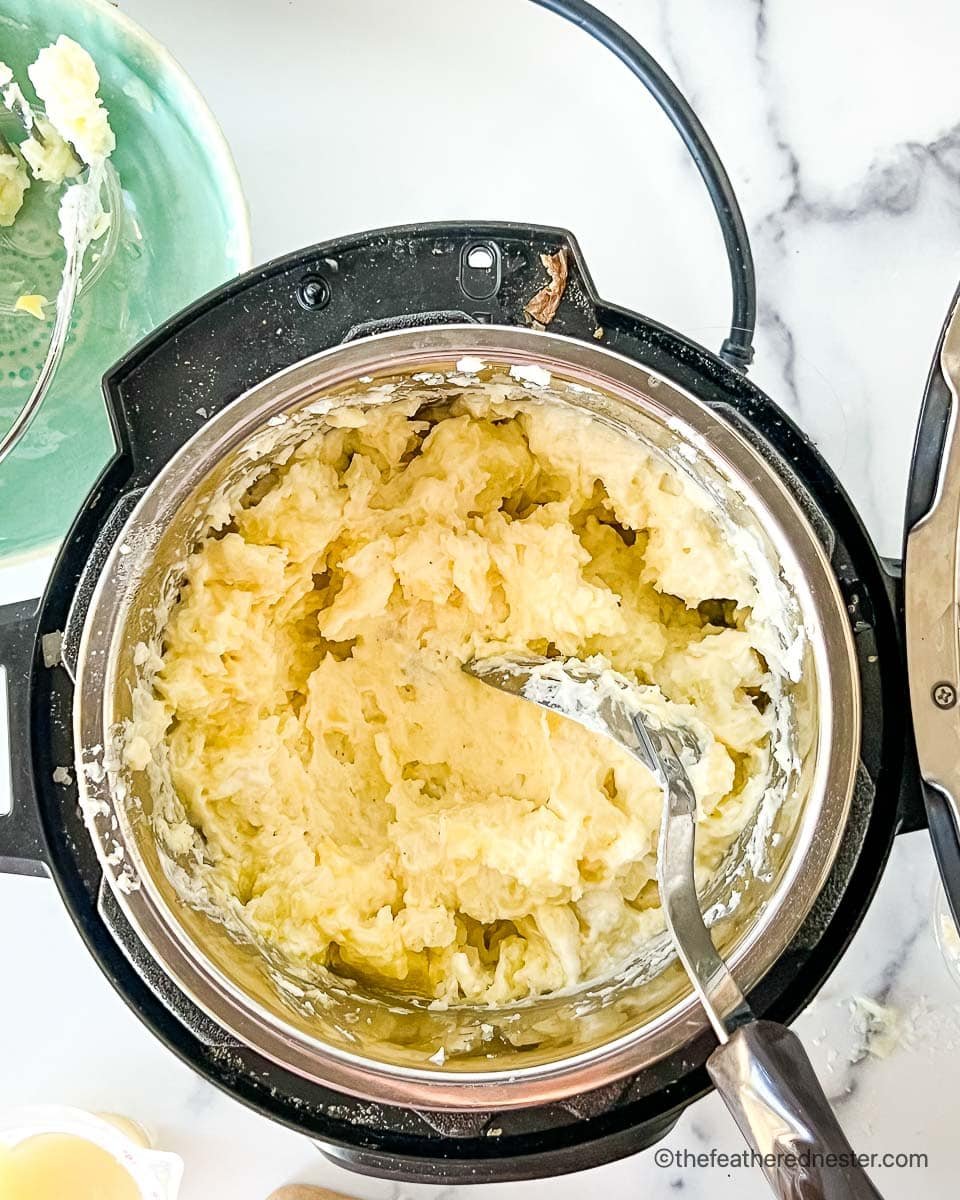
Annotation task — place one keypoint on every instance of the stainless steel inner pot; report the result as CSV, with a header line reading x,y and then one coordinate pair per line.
x,y
384,1047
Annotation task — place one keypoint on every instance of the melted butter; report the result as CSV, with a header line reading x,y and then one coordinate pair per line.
x,y
58,1166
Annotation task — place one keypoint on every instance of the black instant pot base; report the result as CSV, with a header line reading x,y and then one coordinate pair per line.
x,y
265,321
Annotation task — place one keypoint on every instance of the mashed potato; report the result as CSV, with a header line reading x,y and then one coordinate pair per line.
x,y
14,182
49,156
67,81
372,808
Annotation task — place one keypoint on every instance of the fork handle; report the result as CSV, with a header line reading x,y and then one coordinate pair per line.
x,y
769,1085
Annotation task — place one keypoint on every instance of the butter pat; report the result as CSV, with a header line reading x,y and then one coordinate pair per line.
x,y
32,304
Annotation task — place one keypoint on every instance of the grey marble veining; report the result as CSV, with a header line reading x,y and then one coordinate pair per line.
x,y
855,235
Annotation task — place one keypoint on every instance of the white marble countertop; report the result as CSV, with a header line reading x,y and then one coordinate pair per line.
x,y
840,127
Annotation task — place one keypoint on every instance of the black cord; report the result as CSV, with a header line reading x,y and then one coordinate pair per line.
x,y
737,349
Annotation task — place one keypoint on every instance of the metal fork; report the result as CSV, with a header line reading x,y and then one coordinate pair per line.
x,y
15,102
66,298
760,1068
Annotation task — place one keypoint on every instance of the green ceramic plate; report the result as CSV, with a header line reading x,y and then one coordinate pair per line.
x,y
183,230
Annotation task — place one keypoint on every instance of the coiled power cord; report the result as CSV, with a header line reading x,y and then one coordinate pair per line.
x,y
737,348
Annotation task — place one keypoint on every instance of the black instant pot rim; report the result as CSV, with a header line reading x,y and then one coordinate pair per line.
x,y
634,1124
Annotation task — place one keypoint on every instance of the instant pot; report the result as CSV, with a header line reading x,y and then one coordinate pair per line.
x,y
594,1077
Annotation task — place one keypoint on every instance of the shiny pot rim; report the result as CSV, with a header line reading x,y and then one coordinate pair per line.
x,y
805,871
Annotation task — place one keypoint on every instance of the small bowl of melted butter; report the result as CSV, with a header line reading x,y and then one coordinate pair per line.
x,y
49,1152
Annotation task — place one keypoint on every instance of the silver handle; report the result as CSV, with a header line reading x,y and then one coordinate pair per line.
x,y
768,1084
932,614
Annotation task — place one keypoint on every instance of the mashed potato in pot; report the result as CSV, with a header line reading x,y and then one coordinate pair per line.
x,y
368,806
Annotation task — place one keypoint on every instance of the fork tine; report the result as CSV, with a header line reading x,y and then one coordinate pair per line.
x,y
15,103
619,712
36,133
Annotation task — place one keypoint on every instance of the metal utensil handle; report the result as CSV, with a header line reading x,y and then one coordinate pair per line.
x,y
720,994
932,603
21,839
768,1084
